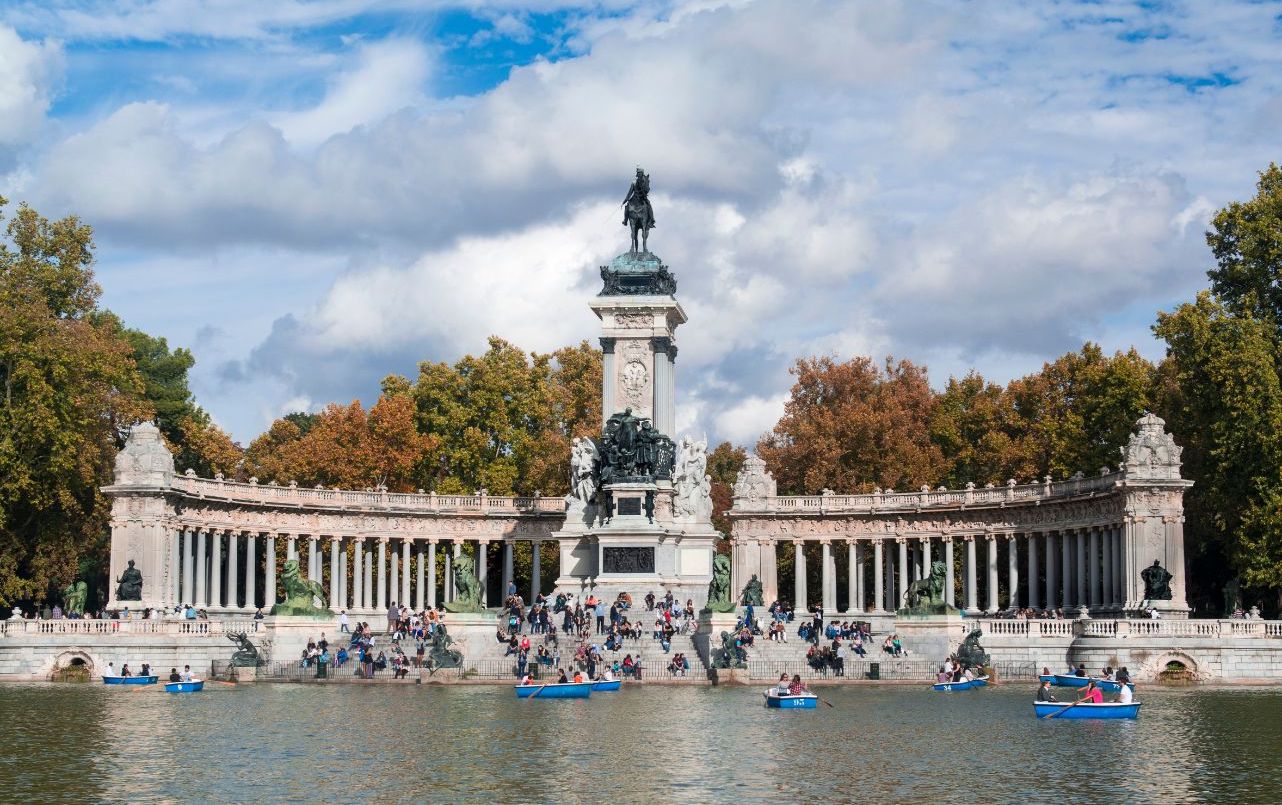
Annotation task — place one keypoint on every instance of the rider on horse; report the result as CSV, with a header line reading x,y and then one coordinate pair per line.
x,y
637,211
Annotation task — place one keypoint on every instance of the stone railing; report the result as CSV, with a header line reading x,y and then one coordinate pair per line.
x,y
1130,628
830,503
188,628
346,499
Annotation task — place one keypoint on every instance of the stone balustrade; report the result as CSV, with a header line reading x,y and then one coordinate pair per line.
x,y
1133,627
190,628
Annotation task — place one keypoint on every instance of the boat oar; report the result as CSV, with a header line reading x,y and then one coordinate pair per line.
x,y
825,701
535,694
1062,709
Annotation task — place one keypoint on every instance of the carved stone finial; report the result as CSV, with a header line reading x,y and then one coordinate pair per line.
x,y
144,461
1151,454
754,484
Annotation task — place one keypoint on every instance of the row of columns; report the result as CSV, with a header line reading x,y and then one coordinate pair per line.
x,y
380,572
1078,569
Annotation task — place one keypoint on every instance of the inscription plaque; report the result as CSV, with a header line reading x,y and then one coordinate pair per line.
x,y
627,560
628,506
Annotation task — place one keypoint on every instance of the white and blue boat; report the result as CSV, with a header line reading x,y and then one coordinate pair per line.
x,y
562,690
191,686
791,701
129,680
605,685
965,684
1108,710
1074,681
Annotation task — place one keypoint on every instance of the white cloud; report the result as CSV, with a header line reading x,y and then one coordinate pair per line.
x,y
29,72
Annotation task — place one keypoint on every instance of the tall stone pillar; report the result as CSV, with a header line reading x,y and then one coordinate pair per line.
x,y
829,598
342,577
449,570
507,567
993,603
878,576
215,570
251,570
1032,571
972,586
925,557
421,581
1066,565
291,548
482,572
1093,562
313,565
905,574
175,568
358,573
799,597
202,575
382,573
769,569
335,596
431,573
1012,571
1079,574
394,582
188,594
269,566
950,594
1118,596
367,585
405,572
853,604
536,561
233,570
1052,580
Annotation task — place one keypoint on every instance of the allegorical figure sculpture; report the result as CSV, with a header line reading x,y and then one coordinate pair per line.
x,y
74,598
970,653
719,588
638,215
691,485
441,655
583,472
129,584
1157,582
301,595
730,655
467,588
246,654
752,593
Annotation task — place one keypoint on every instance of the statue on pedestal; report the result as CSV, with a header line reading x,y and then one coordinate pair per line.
x,y
730,655
247,654
130,584
301,595
441,655
970,653
926,596
583,469
752,593
719,588
1157,582
74,598
638,215
467,588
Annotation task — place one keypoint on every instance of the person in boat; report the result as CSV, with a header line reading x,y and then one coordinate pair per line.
x,y
1124,675
563,679
578,677
796,688
186,673
781,689
943,675
607,675
1125,695
124,670
527,680
1109,674
1080,670
173,675
146,669
111,670
1093,694
1044,692
968,674
1046,671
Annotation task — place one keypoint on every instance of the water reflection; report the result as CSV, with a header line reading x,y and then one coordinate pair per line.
x,y
352,743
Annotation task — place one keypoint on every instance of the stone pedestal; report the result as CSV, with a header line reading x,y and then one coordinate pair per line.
x,y
930,637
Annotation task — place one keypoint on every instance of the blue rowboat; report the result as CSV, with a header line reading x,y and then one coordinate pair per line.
x,y
613,684
185,687
1071,681
129,680
965,684
567,690
1087,710
800,701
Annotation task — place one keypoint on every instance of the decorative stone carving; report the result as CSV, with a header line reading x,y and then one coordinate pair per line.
x,y
690,481
1151,454
145,461
754,485
583,479
633,321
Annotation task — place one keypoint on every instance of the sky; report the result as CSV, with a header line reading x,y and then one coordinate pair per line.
x,y
313,194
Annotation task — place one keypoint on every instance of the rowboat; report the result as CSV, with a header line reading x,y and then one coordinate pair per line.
x,y
185,687
1071,681
613,684
563,690
129,680
965,684
798,701
1087,710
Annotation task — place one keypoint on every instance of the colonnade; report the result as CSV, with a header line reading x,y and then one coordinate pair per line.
x,y
1078,570
205,568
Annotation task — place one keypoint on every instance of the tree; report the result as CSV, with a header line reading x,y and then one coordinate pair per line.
x,y
975,427
70,389
1246,240
724,463
852,426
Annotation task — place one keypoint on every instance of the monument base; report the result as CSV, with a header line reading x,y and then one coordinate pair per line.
x,y
930,637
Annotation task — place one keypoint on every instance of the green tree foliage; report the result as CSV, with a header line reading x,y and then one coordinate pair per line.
x,y
1246,240
724,463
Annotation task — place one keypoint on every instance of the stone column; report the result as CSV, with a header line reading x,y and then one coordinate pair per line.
x,y
431,572
449,571
251,570
1051,576
993,604
535,564
405,572
829,597
269,582
972,587
367,583
799,574
175,567
853,604
1079,573
1032,571
1116,539
202,568
769,569
342,576
1012,571
608,387
382,574
507,567
187,595
482,572
950,594
291,550
313,566
215,599
394,582
421,587
1093,560
358,573
335,595
1066,565
233,570
878,576
905,573
925,557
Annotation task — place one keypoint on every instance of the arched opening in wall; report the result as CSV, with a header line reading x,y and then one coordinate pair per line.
x,y
1180,671
72,668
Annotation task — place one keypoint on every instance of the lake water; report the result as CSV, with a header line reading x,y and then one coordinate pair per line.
x,y
383,743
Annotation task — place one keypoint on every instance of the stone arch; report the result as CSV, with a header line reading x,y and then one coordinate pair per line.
x,y
74,657
1177,662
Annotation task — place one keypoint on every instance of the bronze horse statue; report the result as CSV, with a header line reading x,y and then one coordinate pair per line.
x,y
637,212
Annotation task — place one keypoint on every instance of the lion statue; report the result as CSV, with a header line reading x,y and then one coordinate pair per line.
x,y
719,599
467,588
926,596
301,595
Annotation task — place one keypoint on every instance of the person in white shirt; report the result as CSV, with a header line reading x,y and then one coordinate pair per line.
x,y
781,689
608,676
111,670
1124,696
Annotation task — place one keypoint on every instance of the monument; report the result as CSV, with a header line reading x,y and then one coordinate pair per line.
x,y
639,516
